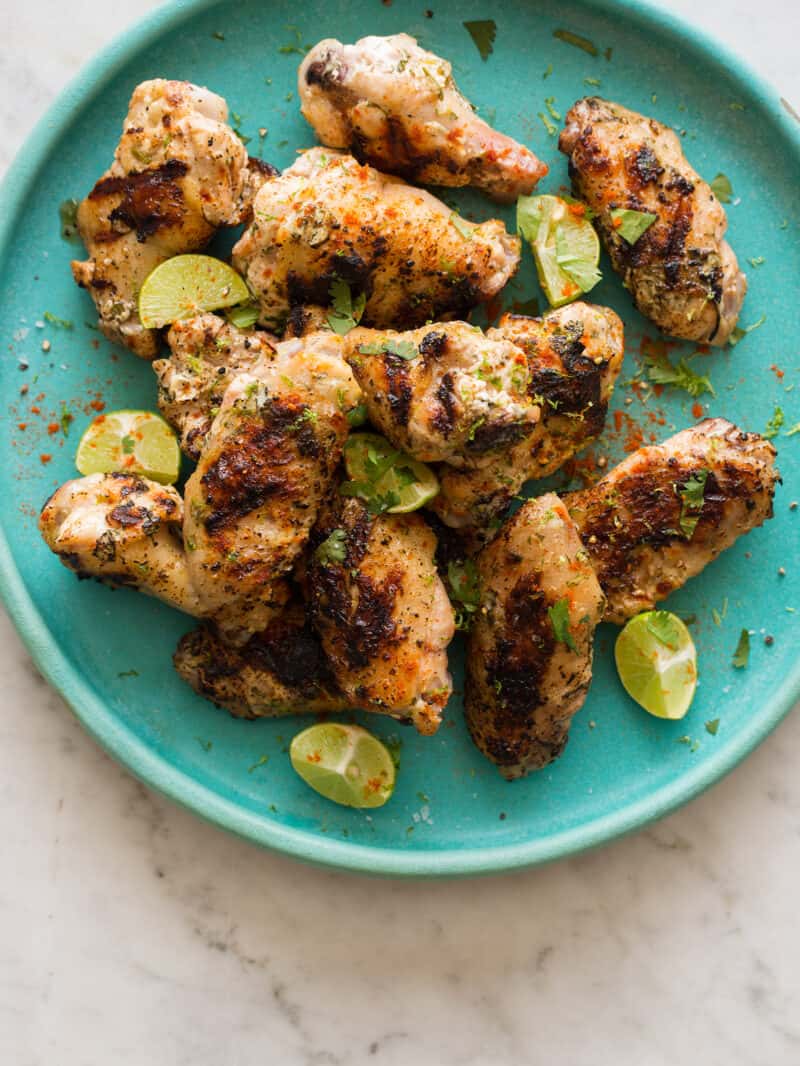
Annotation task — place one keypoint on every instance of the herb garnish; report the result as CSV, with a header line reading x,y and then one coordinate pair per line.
x,y
551,127
630,224
663,372
662,625
461,226
692,499
357,415
739,333
243,316
774,423
333,549
742,654
297,48
559,620
128,444
54,320
568,37
712,726
65,420
402,349
68,213
483,33
722,188
345,313
465,590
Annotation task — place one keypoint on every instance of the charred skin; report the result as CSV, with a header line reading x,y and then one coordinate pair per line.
x,y
630,521
266,467
460,398
179,172
573,356
327,219
681,272
396,107
524,684
280,671
382,612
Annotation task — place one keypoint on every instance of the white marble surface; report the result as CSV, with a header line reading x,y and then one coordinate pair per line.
x,y
132,933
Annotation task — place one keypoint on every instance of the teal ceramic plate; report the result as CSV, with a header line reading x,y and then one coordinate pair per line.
x,y
109,652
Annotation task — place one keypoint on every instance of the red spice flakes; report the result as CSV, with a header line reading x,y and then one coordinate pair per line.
x,y
22,425
776,370
45,458
697,410
97,405
579,210
36,410
53,428
618,417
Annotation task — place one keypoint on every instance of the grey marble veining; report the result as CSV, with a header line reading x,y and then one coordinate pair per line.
x,y
133,933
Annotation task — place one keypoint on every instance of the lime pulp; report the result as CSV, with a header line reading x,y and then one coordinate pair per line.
x,y
187,285
344,763
565,247
371,461
657,663
135,442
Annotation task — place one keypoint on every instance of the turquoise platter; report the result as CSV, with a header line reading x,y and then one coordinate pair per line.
x,y
109,652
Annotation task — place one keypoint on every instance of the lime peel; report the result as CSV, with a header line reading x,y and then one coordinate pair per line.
x,y
344,763
657,663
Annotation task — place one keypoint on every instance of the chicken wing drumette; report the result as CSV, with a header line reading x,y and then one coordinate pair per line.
x,y
573,357
123,530
667,511
328,219
396,106
266,466
444,393
529,653
179,172
681,272
382,611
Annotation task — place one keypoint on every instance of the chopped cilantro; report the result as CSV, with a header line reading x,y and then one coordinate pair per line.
x,y
756,260
559,620
712,726
551,110
663,372
742,653
345,311
333,549
128,444
568,37
592,81
357,415
259,762
774,423
402,349
483,33
630,224
692,499
218,36
65,420
739,333
464,588
662,625
68,214
548,72
243,316
54,320
206,745
296,47
551,127
461,226
722,188
128,673
793,431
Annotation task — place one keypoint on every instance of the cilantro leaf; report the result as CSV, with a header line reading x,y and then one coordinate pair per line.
x,y
357,415
742,654
483,33
663,372
738,333
568,37
662,625
65,420
692,499
774,424
346,312
463,585
333,549
712,726
551,127
630,224
559,620
54,320
402,349
722,188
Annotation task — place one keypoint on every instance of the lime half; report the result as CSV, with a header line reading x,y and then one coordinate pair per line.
x,y
344,763
135,442
657,663
564,244
187,285
384,475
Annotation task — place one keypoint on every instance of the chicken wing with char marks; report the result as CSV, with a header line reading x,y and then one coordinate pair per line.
x,y
681,272
667,511
382,611
179,172
444,393
529,653
396,106
327,218
266,467
573,357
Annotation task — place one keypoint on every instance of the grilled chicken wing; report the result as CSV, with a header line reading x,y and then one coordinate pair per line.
x,y
124,531
280,671
179,172
207,353
266,466
382,611
668,510
574,355
396,106
681,273
529,653
443,393
328,218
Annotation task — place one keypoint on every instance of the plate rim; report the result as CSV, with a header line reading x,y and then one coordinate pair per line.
x,y
155,771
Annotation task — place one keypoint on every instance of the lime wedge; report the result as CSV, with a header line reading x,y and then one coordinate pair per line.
x,y
187,285
136,442
381,474
344,763
657,663
564,244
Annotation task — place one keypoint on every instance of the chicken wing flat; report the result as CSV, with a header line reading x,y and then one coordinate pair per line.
x,y
681,273
382,611
328,219
529,652
123,530
443,393
179,172
207,353
267,465
280,671
667,511
396,106
573,357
